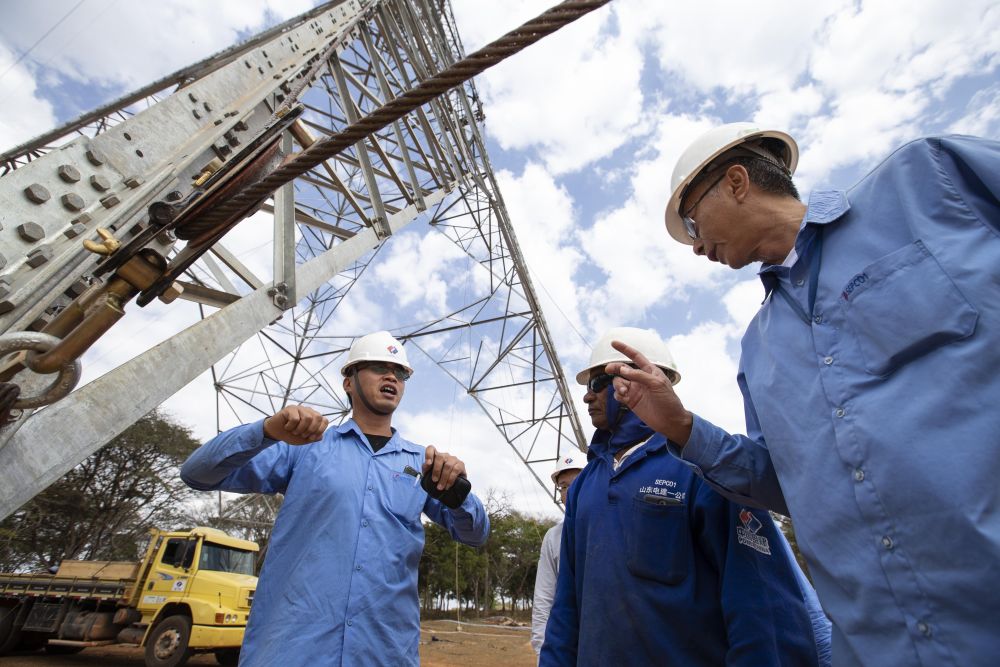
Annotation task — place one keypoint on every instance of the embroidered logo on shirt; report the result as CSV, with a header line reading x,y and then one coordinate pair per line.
x,y
747,533
855,282
663,487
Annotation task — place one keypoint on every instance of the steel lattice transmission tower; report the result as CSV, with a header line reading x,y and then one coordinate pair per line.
x,y
357,101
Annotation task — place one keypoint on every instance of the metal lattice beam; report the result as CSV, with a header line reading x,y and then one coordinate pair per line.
x,y
394,67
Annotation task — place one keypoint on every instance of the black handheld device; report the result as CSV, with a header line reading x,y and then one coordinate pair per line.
x,y
453,497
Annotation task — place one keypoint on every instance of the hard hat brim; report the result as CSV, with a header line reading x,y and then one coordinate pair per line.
x,y
345,369
584,376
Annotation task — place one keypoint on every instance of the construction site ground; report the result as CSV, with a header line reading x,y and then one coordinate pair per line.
x,y
441,645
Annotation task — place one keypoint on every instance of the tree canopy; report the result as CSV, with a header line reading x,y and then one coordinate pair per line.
x,y
103,508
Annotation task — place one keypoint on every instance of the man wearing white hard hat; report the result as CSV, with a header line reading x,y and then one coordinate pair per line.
x,y
869,378
567,469
339,583
656,568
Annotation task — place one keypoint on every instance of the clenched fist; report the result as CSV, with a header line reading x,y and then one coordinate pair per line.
x,y
296,425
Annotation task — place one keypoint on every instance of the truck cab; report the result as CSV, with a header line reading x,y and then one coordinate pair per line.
x,y
203,576
191,593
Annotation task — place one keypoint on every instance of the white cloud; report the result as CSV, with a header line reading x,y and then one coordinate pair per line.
x,y
982,117
573,98
416,267
735,48
491,462
707,358
544,218
644,267
26,115
158,37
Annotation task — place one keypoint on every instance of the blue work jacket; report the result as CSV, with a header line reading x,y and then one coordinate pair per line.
x,y
656,568
875,403
339,581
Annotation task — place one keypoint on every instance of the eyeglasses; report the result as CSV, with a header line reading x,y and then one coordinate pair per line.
x,y
562,487
381,369
598,383
690,226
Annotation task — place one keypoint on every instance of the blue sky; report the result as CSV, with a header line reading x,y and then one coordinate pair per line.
x,y
583,131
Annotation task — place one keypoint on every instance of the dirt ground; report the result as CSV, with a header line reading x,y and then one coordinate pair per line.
x,y
441,645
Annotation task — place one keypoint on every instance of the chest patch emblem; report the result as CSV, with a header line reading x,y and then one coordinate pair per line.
x,y
747,533
665,488
854,283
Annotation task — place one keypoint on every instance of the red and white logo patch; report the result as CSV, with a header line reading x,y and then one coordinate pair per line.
x,y
747,533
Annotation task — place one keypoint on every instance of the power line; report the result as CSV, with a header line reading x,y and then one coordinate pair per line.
x,y
40,39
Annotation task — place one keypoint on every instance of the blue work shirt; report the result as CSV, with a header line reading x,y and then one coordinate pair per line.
x,y
656,568
878,407
339,581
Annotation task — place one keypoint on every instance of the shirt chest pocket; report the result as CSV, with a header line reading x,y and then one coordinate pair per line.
x,y
903,306
658,541
404,497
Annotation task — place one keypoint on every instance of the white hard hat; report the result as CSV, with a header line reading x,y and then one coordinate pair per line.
x,y
378,346
711,145
569,462
644,340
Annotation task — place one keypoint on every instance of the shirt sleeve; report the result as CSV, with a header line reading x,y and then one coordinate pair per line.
x,y
240,460
766,619
468,524
545,587
737,466
563,627
972,167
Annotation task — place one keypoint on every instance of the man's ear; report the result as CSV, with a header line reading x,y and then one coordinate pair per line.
x,y
348,384
737,182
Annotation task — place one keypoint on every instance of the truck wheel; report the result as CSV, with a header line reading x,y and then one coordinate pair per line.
x,y
168,643
227,657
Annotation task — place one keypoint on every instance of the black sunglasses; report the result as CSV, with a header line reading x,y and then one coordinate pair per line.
x,y
599,383
381,369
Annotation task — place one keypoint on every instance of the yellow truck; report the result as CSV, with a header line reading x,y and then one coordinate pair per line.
x,y
191,593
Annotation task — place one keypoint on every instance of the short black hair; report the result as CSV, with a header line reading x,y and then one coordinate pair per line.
x,y
769,176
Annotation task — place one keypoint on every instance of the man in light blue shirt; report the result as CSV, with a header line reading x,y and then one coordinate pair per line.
x,y
339,583
870,381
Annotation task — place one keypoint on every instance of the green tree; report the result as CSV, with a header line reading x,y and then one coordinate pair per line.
x,y
503,570
102,508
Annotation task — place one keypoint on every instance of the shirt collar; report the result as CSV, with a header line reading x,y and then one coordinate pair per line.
x,y
602,450
824,207
395,443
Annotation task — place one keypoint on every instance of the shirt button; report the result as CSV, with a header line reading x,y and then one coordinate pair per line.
x,y
840,412
350,622
800,282
371,488
818,319
925,629
365,523
357,567
827,360
887,542
859,475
